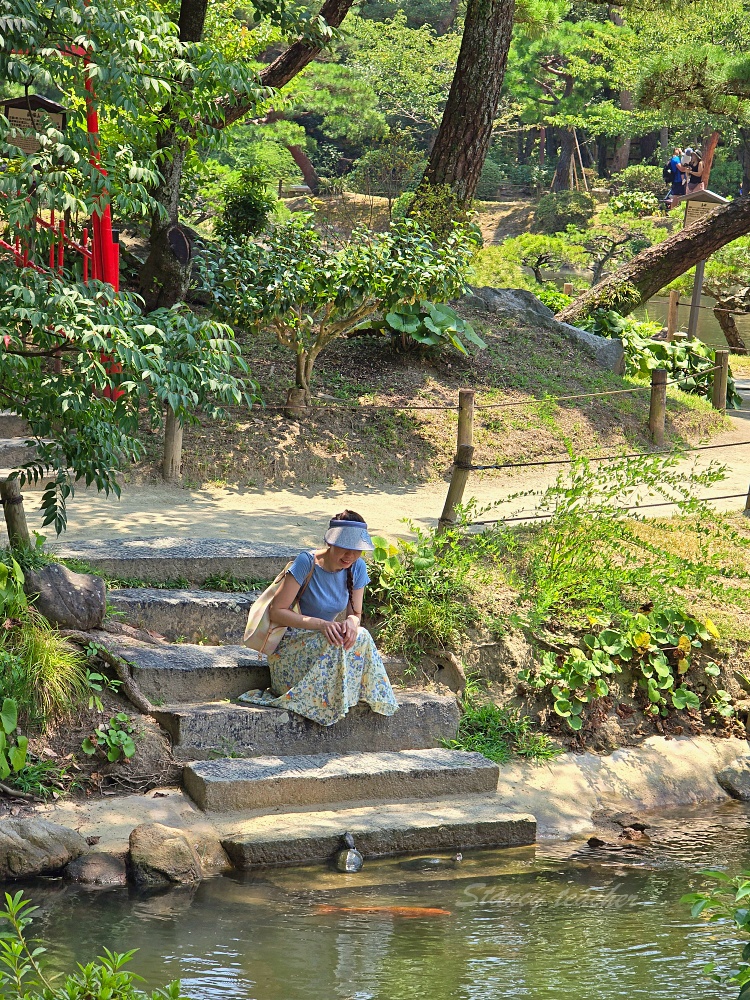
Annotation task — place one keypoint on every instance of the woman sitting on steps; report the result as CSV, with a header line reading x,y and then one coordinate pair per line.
x,y
323,666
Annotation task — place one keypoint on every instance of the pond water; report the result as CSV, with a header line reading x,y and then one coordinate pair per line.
x,y
708,331
561,921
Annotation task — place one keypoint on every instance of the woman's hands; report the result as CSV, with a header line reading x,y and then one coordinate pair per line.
x,y
341,633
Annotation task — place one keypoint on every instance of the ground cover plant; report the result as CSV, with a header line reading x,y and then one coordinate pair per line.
x,y
618,620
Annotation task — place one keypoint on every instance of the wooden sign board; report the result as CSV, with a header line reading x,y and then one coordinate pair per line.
x,y
697,210
32,114
700,204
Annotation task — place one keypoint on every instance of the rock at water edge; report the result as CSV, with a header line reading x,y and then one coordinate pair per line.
x,y
161,855
36,847
735,779
67,599
97,869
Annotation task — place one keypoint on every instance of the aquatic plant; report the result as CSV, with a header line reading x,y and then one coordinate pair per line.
x,y
22,976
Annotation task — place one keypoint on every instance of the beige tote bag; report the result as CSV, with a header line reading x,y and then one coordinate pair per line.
x,y
260,632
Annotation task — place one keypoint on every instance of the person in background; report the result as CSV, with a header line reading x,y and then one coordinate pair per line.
x,y
326,662
674,174
695,169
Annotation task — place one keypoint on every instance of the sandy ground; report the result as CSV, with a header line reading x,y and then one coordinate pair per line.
x,y
299,516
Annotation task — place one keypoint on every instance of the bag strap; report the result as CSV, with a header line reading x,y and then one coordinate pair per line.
x,y
309,576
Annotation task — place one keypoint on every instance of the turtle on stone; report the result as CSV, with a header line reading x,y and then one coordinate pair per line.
x,y
432,864
348,859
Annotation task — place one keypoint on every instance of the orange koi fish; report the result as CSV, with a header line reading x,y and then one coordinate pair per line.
x,y
395,911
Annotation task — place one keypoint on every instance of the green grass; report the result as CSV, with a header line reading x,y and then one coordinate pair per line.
x,y
500,733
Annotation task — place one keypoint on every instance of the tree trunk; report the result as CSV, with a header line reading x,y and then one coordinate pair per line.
x,y
285,67
461,145
634,283
563,179
622,146
165,276
648,145
729,327
745,159
709,150
303,161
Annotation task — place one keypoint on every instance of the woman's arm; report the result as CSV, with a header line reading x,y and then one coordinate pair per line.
x,y
354,617
280,613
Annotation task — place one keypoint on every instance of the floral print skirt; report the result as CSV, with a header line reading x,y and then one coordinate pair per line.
x,y
313,678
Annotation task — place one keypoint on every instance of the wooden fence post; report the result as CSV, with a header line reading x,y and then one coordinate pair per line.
x,y
172,464
719,393
674,301
567,288
658,410
462,461
15,517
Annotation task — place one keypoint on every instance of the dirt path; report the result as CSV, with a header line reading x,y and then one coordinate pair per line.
x,y
298,516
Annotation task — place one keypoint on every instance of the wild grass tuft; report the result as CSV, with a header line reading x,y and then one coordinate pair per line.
x,y
39,669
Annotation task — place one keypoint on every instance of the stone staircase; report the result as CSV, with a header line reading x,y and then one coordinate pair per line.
x,y
283,788
14,432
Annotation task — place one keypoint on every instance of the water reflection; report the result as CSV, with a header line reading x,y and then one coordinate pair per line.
x,y
561,921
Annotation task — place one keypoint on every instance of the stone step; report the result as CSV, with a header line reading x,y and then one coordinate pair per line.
x,y
192,614
301,780
14,452
160,559
183,672
201,731
12,425
379,829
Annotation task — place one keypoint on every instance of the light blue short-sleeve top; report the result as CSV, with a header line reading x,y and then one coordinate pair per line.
x,y
326,595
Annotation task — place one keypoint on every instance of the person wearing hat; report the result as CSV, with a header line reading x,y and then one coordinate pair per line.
x,y
694,171
326,662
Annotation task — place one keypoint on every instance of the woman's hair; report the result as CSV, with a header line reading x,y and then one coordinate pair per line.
x,y
349,515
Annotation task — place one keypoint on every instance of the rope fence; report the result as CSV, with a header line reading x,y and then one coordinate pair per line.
x,y
687,305
356,407
463,464
642,506
608,458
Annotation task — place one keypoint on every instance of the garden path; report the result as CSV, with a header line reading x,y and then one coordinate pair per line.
x,y
297,516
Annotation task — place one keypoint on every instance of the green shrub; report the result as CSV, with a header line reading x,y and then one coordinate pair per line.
x,y
401,205
490,180
558,210
639,178
640,203
247,205
553,298
690,361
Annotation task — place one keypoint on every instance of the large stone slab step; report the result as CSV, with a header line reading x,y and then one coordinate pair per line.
x,y
379,829
161,559
225,729
302,780
11,425
185,672
206,615
14,452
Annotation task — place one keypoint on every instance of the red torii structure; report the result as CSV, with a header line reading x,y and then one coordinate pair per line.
x,y
102,255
